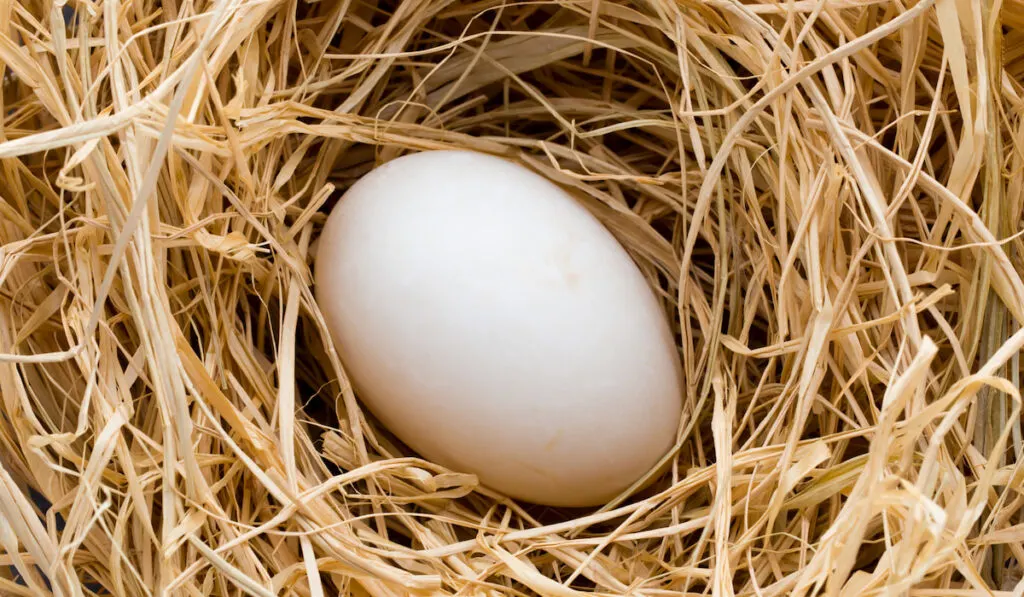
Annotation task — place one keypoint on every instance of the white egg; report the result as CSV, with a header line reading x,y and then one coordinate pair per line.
x,y
496,327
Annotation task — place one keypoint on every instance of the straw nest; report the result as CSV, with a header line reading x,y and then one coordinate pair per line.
x,y
827,195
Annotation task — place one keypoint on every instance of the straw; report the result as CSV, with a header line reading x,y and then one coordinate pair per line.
x,y
825,196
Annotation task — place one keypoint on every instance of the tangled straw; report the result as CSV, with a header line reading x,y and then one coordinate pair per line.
x,y
827,195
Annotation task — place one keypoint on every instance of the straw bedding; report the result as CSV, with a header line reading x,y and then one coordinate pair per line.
x,y
827,196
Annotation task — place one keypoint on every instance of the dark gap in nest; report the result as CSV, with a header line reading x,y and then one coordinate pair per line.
x,y
888,139
122,359
312,386
663,281
496,104
928,321
636,148
740,578
195,343
309,120
630,198
812,428
93,585
383,11
582,583
398,534
870,554
539,129
546,515
856,446
354,163
20,580
537,20
739,72
940,148
307,371
759,334
311,11
943,233
664,226
272,504
703,258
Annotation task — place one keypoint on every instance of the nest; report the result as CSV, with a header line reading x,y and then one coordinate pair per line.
x,y
827,196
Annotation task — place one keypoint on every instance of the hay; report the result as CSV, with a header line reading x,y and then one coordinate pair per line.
x,y
827,194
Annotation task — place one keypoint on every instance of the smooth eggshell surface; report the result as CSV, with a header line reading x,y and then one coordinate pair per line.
x,y
496,327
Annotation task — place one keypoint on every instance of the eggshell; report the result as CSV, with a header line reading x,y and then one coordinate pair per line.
x,y
495,326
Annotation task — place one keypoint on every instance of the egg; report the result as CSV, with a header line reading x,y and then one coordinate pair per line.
x,y
496,327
